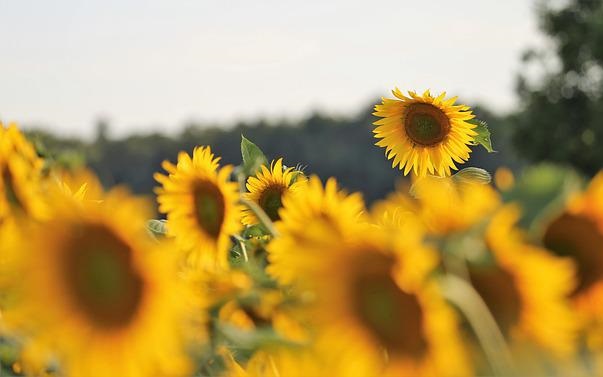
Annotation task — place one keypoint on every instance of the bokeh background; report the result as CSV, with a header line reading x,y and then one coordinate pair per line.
x,y
122,86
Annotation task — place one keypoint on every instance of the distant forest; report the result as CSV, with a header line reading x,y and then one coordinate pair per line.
x,y
559,119
326,146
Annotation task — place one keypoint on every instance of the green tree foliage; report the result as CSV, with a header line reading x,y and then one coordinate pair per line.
x,y
561,119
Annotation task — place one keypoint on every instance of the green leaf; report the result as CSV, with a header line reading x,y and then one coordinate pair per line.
x,y
253,157
483,135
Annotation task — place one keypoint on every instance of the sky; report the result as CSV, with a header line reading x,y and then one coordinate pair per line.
x,y
149,65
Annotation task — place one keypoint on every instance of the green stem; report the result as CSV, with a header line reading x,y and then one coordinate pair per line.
x,y
261,215
464,296
241,178
241,242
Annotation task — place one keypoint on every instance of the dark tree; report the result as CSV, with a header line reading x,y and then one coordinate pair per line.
x,y
561,118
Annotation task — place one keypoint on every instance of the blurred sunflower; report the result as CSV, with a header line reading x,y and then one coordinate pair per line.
x,y
96,295
80,184
504,178
201,206
373,306
273,362
527,289
443,205
309,223
578,233
423,133
268,187
20,176
262,310
293,361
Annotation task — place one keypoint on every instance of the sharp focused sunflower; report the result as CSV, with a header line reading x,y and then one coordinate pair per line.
x,y
20,174
96,295
267,189
309,224
527,289
423,133
201,206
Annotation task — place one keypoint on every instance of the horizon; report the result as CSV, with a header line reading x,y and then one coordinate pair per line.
x,y
150,66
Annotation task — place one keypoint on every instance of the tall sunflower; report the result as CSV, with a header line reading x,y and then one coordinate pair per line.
x,y
268,187
527,290
423,133
96,294
20,176
309,224
202,207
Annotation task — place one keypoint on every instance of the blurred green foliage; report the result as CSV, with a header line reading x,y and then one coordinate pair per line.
x,y
561,118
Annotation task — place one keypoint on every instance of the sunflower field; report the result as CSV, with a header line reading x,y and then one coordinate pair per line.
x,y
264,269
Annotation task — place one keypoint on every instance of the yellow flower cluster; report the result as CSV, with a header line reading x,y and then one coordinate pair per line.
x,y
265,270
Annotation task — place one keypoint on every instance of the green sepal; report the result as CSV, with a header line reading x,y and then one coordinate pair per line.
x,y
297,174
473,175
483,135
257,230
253,157
157,227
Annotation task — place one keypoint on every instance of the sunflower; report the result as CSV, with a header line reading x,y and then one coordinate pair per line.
x,y
577,232
20,176
309,223
81,184
267,188
373,307
527,289
293,361
201,206
423,133
96,294
504,178
443,205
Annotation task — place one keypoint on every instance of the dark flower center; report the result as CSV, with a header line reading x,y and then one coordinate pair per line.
x,y
209,207
498,290
394,317
101,276
579,238
271,201
425,124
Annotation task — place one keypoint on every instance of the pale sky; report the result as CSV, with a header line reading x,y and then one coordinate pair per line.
x,y
153,65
